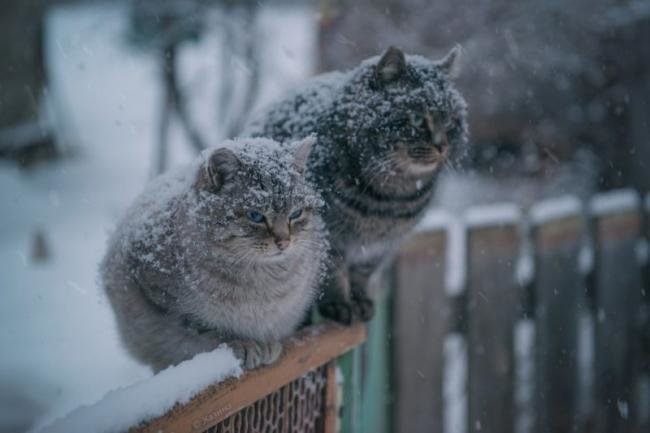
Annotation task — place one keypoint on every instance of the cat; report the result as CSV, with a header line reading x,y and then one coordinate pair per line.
x,y
384,131
227,250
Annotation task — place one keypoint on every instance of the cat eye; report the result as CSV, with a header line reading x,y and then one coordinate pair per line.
x,y
255,216
417,120
295,214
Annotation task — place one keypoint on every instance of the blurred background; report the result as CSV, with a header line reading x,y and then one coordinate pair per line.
x,y
96,97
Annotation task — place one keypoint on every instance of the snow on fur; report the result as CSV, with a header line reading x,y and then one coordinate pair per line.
x,y
148,219
348,102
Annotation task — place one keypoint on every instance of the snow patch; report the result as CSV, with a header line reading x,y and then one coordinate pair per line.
x,y
434,219
456,251
586,257
127,407
623,408
525,269
614,201
455,384
493,215
585,358
524,336
555,209
456,272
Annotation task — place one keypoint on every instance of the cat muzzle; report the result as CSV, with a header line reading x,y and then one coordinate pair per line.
x,y
282,244
425,154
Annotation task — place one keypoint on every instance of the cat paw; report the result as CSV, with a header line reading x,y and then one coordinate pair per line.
x,y
337,311
364,308
360,309
254,354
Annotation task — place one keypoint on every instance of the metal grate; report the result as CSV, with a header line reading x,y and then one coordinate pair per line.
x,y
296,407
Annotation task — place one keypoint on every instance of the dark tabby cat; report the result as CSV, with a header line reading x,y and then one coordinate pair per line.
x,y
384,131
229,249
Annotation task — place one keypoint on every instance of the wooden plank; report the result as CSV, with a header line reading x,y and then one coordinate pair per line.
x,y
420,324
308,350
644,386
560,298
376,383
618,299
350,365
493,300
331,406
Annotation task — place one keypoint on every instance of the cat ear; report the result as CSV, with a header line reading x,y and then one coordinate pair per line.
x,y
301,154
450,64
391,65
218,169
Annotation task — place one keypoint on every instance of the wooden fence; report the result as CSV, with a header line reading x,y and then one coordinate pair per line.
x,y
508,321
498,320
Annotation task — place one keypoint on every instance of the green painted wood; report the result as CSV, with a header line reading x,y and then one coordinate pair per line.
x,y
376,392
350,366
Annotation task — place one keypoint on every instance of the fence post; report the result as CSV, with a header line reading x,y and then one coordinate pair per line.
x,y
618,301
376,383
644,391
559,298
350,365
493,301
420,325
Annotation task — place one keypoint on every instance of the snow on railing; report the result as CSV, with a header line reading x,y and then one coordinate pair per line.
x,y
212,390
126,407
614,202
555,209
497,214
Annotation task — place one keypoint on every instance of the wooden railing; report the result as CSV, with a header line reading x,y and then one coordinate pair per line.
x,y
297,394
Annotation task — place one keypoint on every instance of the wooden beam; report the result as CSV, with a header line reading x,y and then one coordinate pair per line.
x,y
310,349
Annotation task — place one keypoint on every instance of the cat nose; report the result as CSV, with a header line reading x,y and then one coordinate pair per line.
x,y
282,244
440,142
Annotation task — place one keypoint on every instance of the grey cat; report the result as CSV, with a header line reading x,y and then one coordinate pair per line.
x,y
230,249
384,131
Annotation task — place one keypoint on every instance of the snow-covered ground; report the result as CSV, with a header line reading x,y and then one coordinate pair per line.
x,y
60,348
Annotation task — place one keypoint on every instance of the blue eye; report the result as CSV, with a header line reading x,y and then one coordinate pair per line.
x,y
255,216
295,214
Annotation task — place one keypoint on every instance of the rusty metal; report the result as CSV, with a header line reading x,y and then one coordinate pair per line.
x,y
296,407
